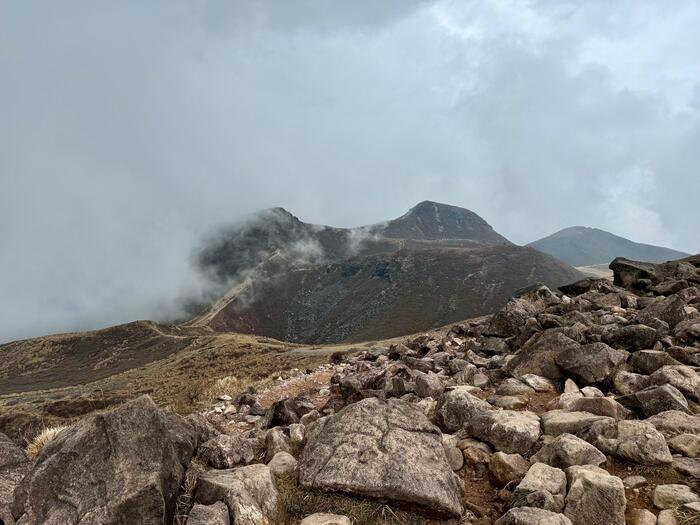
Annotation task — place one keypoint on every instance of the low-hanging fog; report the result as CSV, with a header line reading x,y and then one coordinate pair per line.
x,y
128,130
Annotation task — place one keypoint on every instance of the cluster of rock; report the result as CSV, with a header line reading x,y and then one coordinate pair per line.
x,y
547,400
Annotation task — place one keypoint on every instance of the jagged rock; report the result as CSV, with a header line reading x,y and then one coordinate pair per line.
x,y
538,355
224,451
649,361
322,518
631,337
296,434
428,385
507,321
688,331
635,441
600,406
556,422
383,449
123,466
592,363
655,399
673,495
14,465
248,492
568,450
457,406
505,468
668,309
214,514
532,516
591,391
640,517
507,430
595,498
282,464
686,444
452,453
674,422
628,383
684,378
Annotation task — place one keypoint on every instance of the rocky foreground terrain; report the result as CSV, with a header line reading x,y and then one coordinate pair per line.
x,y
575,406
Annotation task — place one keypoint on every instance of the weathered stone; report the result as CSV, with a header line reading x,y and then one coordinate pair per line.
x,y
595,498
214,514
668,309
282,464
666,517
542,487
538,355
568,450
673,495
538,383
224,451
600,406
383,449
634,441
649,361
591,363
633,482
683,377
248,492
513,387
509,431
428,385
14,465
532,516
505,468
628,383
687,466
640,517
674,422
655,399
631,337
275,441
686,444
123,466
457,406
557,422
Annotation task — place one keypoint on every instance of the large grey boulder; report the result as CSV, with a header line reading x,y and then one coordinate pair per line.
x,y
595,498
634,441
542,487
224,451
123,466
458,406
248,492
649,361
683,377
14,465
567,450
538,355
557,422
509,431
600,406
383,449
591,363
630,337
532,516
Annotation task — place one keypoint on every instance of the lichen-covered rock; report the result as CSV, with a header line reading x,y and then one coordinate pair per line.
x,y
673,495
532,516
457,406
224,451
383,449
568,450
635,441
674,422
509,431
655,399
595,498
14,464
538,355
557,422
591,363
214,514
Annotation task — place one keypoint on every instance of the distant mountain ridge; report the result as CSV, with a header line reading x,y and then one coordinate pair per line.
x,y
316,284
584,246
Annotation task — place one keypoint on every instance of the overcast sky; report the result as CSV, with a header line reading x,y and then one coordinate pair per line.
x,y
129,128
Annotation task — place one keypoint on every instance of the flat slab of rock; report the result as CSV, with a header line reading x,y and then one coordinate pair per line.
x,y
673,495
557,422
248,492
674,422
323,518
123,466
383,449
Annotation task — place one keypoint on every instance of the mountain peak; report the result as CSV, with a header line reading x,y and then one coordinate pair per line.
x,y
429,220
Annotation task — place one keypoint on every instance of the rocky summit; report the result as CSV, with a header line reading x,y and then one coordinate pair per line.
x,y
575,406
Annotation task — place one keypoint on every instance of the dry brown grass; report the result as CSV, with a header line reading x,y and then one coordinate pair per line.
x,y
42,439
184,501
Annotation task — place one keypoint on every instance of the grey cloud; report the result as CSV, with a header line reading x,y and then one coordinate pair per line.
x,y
129,130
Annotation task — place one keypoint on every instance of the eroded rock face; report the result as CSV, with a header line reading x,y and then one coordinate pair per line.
x,y
635,441
383,449
249,493
14,464
595,498
457,407
123,466
538,356
568,450
591,363
510,431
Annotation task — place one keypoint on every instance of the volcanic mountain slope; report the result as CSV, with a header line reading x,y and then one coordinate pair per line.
x,y
582,246
315,284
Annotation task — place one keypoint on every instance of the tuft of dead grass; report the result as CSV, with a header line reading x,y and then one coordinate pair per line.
x,y
684,517
301,502
47,435
184,502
